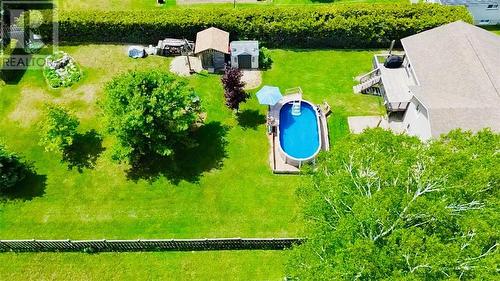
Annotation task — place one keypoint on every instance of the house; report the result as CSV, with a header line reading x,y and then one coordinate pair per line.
x,y
212,46
448,78
245,54
485,12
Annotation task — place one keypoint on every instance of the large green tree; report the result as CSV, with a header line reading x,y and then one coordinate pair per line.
x,y
150,113
384,206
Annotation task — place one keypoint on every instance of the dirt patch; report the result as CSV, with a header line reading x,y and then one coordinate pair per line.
x,y
252,79
180,66
28,108
30,105
87,93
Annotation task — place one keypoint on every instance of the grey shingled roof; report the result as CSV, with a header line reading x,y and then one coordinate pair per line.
x,y
458,71
212,38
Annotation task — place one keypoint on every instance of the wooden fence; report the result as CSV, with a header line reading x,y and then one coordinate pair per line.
x,y
148,245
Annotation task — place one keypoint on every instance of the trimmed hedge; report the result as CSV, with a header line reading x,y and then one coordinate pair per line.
x,y
338,26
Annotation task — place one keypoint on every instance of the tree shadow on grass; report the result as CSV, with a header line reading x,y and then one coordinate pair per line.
x,y
250,119
13,74
33,185
188,163
84,151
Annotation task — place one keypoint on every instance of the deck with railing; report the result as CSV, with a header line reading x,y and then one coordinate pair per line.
x,y
393,84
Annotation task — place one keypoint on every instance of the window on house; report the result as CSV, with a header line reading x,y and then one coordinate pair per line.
x,y
492,6
484,21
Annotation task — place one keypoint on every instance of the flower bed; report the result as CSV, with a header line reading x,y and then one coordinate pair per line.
x,y
61,70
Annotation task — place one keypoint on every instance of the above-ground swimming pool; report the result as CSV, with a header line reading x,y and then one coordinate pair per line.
x,y
299,135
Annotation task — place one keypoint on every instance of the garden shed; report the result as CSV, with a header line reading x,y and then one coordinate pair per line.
x,y
245,54
212,46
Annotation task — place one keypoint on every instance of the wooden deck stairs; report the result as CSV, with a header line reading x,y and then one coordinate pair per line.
x,y
368,81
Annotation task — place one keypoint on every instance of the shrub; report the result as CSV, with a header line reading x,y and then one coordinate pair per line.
x,y
150,113
12,169
89,250
58,128
233,88
340,26
265,60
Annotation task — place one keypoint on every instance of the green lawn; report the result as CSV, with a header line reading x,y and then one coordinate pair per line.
x,y
240,198
151,4
112,4
282,2
228,189
225,265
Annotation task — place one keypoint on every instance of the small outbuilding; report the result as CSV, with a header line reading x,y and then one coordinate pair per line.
x,y
212,46
245,54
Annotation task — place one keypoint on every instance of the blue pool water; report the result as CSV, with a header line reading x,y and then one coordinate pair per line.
x,y
299,135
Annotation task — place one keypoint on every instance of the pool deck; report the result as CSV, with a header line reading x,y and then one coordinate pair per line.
x,y
276,160
277,163
325,137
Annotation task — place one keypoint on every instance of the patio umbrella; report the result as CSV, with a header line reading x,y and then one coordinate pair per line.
x,y
269,95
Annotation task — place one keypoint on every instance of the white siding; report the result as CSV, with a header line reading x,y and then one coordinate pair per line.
x,y
255,62
480,11
416,120
482,15
250,48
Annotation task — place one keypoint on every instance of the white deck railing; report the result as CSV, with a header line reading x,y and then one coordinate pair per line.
x,y
294,91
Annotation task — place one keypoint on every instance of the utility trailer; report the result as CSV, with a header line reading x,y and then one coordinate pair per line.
x,y
174,47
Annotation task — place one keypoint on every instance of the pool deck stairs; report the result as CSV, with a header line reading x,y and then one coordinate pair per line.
x,y
296,108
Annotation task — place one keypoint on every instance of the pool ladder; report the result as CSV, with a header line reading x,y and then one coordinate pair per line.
x,y
296,108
